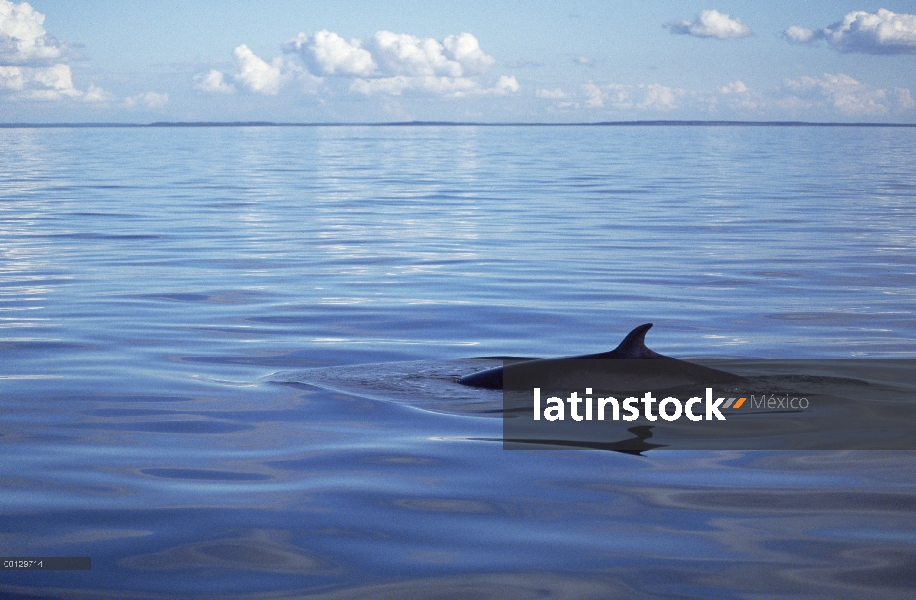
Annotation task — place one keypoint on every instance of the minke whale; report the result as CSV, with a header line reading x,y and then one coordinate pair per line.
x,y
639,366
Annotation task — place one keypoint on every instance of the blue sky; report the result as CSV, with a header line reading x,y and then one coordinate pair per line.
x,y
64,61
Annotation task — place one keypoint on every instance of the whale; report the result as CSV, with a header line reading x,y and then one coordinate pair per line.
x,y
636,366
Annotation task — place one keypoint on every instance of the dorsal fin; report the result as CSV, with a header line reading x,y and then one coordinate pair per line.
x,y
634,345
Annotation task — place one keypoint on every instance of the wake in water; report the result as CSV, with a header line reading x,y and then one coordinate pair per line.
x,y
427,384
852,404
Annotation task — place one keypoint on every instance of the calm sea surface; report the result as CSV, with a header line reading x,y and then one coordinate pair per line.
x,y
154,282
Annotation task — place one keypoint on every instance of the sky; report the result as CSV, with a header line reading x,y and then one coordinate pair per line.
x,y
473,60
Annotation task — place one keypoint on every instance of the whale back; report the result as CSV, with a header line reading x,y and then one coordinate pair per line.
x,y
633,346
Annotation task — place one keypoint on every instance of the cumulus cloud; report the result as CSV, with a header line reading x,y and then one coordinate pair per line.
x,y
799,35
56,77
48,83
883,32
584,61
659,97
465,50
327,53
404,54
391,63
214,81
849,96
33,64
151,100
506,85
43,83
257,74
23,39
387,63
12,78
711,24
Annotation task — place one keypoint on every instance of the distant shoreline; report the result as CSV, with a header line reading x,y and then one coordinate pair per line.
x,y
454,124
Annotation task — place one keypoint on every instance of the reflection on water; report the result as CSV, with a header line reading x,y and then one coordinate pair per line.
x,y
312,490
154,282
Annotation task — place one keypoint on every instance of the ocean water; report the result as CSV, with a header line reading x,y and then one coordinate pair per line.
x,y
158,285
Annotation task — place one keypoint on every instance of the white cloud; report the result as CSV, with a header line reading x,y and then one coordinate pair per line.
x,y
328,54
711,23
388,54
584,61
659,97
554,94
406,62
23,39
151,100
33,64
883,32
12,78
42,83
651,97
255,73
734,95
56,77
465,49
904,99
799,35
619,96
404,54
214,81
386,64
734,87
849,96
96,94
594,96
828,97
506,85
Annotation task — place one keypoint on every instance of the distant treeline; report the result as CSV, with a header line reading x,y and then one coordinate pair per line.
x,y
461,124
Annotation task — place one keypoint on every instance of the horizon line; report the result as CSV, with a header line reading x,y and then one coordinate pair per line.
x,y
688,123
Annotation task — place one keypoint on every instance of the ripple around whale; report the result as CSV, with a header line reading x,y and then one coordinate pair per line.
x,y
427,384
853,404
203,474
434,384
